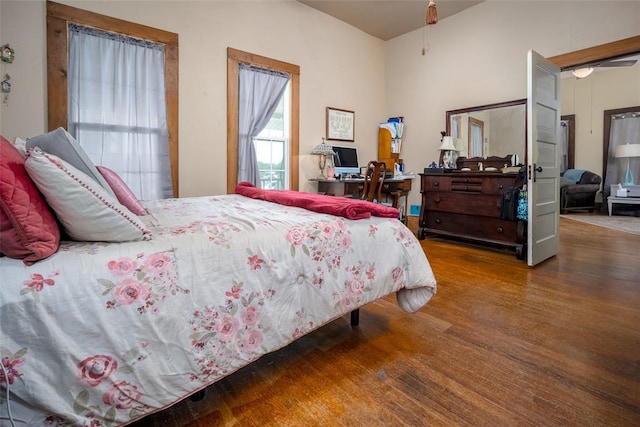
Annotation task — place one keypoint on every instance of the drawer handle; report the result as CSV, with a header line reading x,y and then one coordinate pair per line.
x,y
436,200
500,229
436,184
500,186
438,221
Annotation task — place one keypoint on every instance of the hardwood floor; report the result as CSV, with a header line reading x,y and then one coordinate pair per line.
x,y
500,344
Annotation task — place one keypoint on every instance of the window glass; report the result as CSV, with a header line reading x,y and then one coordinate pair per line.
x,y
272,147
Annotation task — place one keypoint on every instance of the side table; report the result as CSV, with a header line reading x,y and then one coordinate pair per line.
x,y
611,200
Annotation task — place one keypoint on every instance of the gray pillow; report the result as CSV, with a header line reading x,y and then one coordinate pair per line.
x,y
60,143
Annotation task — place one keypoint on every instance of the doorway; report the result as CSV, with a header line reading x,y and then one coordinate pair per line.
x,y
618,50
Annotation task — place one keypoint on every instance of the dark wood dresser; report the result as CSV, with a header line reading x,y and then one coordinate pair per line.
x,y
466,205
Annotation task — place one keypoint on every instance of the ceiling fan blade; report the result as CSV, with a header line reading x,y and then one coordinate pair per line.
x,y
627,63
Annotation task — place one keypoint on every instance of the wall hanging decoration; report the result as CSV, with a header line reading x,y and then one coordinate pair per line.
x,y
340,124
8,55
432,13
431,19
6,86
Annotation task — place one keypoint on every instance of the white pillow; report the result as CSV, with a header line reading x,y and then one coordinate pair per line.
x,y
60,143
83,207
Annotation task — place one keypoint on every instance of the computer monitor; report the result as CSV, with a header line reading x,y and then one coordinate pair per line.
x,y
345,160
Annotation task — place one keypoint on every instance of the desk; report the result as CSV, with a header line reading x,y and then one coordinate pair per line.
x,y
622,200
392,190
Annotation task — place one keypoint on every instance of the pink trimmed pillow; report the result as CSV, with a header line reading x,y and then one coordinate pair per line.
x,y
122,191
28,228
83,207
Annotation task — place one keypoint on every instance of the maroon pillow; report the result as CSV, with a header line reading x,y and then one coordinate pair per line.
x,y
122,191
28,228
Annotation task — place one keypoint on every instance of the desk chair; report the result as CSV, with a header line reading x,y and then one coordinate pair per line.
x,y
373,181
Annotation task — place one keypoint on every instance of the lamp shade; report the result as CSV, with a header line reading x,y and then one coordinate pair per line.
x,y
581,73
628,150
323,149
447,144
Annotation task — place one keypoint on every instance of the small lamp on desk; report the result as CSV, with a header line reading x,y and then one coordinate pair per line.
x,y
628,151
323,151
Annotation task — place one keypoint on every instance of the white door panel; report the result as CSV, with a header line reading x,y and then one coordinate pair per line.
x,y
543,159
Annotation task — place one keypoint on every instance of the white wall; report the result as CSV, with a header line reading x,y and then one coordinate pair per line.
x,y
478,57
588,98
340,67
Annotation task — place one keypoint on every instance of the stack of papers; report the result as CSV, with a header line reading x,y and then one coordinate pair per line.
x,y
395,128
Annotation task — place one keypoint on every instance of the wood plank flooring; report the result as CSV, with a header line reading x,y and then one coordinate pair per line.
x,y
501,344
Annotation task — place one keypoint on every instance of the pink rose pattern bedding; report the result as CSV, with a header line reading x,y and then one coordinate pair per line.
x,y
102,334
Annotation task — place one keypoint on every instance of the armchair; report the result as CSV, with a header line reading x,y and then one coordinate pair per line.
x,y
578,190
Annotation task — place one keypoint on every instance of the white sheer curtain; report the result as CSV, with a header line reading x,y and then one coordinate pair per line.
x,y
625,129
260,91
117,108
455,126
476,140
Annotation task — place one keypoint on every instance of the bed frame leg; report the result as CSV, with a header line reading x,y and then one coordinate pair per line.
x,y
355,317
198,395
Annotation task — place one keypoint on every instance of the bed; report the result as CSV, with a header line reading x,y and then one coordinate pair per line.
x,y
107,333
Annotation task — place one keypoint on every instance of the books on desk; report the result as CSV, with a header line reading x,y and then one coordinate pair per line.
x,y
407,175
511,169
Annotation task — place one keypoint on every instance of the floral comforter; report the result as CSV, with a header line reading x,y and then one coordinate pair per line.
x,y
103,334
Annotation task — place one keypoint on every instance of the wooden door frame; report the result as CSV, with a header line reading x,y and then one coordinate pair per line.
x,y
616,49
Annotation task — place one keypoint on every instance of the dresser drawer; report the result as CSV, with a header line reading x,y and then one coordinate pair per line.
x,y
463,180
497,186
404,185
436,183
475,227
463,203
466,187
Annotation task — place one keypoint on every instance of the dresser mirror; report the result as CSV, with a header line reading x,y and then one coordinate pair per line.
x,y
490,130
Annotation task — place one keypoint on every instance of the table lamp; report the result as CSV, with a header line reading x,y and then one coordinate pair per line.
x,y
322,151
448,152
628,150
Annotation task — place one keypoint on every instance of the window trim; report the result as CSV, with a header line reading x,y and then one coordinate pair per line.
x,y
234,58
58,16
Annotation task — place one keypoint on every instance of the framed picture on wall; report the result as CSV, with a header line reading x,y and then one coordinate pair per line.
x,y
340,124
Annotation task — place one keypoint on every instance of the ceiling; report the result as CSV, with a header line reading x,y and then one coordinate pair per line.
x,y
387,19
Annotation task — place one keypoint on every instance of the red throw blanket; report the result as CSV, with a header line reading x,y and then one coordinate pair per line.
x,y
340,206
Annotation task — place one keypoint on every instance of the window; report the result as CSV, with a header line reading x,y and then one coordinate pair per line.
x,y
58,19
234,58
117,107
272,148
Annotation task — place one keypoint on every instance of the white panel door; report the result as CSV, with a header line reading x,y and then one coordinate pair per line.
x,y
543,157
